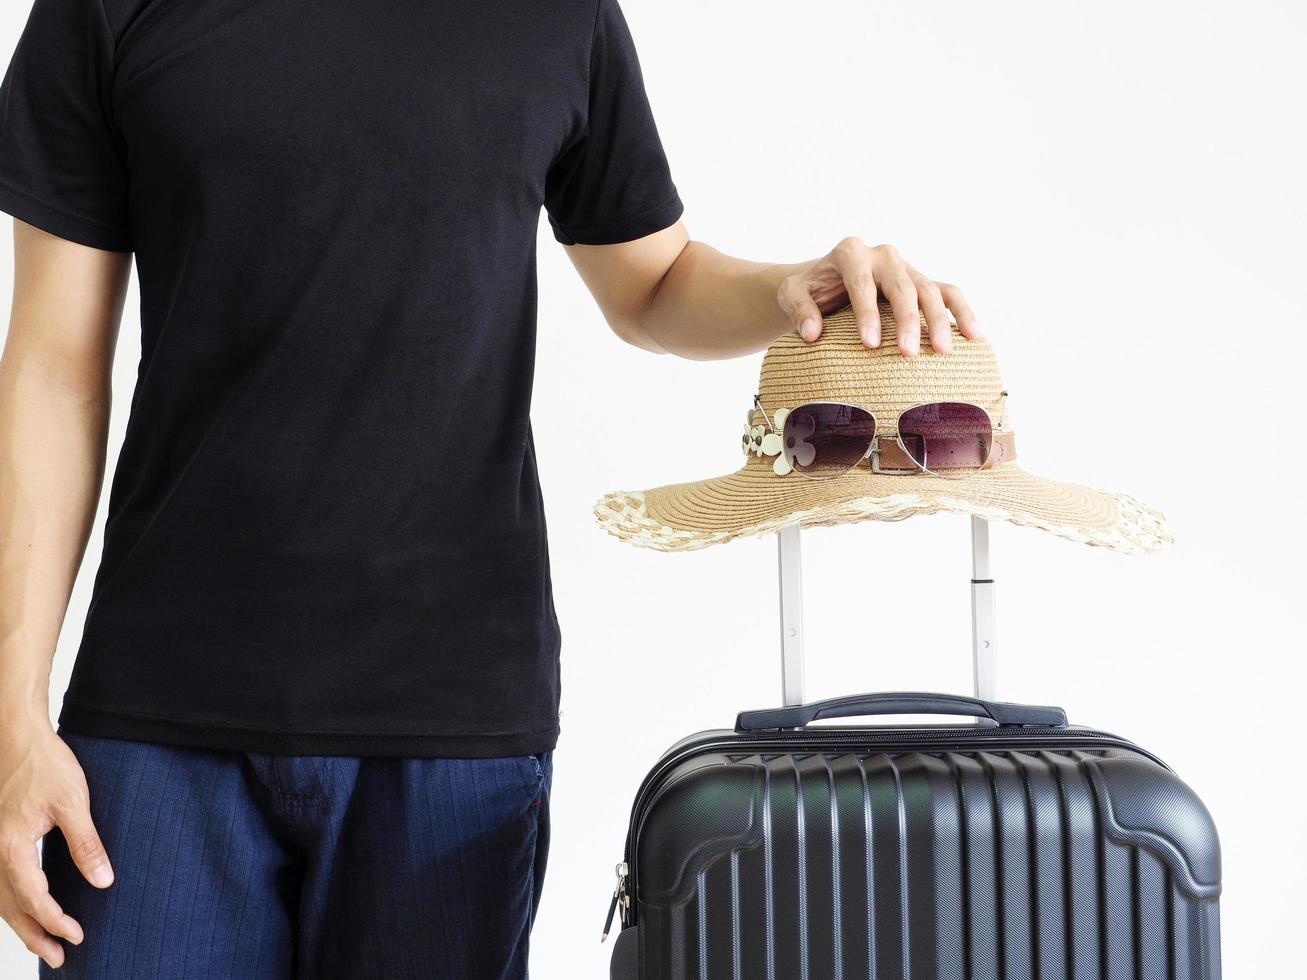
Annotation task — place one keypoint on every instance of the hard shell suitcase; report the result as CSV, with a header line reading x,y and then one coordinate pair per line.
x,y
1018,848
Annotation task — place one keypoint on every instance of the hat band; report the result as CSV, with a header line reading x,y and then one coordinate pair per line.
x,y
888,454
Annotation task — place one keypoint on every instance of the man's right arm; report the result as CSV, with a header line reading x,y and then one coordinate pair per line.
x,y
54,413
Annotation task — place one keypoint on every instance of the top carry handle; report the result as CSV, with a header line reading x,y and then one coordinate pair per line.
x,y
983,652
900,703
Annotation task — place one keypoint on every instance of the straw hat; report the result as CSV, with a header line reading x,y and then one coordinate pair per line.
x,y
838,368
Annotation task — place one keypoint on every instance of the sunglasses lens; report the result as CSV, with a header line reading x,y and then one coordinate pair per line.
x,y
946,435
824,439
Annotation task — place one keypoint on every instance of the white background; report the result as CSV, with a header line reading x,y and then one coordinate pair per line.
x,y
1118,187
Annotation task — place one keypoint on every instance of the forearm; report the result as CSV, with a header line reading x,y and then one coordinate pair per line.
x,y
710,306
52,456
54,412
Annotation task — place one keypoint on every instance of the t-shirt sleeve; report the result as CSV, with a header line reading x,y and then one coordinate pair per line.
x,y
62,165
613,184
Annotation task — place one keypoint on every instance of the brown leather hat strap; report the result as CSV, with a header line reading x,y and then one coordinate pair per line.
x,y
964,452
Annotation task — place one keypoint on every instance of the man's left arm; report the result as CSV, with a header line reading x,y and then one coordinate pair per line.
x,y
670,294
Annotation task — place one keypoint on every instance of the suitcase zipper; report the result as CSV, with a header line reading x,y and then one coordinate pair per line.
x,y
886,740
620,898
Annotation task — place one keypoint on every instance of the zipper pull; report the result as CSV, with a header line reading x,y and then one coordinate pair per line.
x,y
619,897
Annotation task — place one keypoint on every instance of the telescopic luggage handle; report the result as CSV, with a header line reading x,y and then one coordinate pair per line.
x,y
907,703
983,652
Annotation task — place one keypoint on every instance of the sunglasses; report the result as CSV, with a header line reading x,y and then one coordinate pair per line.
x,y
821,440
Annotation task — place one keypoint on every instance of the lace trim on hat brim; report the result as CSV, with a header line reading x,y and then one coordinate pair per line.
x,y
1135,529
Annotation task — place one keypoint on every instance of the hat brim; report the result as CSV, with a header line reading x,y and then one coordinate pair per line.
x,y
754,501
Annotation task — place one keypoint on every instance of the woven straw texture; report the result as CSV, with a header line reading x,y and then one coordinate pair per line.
x,y
839,368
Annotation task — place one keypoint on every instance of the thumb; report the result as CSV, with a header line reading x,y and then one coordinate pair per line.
x,y
84,844
797,303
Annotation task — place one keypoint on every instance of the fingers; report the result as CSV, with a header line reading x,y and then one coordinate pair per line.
x,y
36,939
31,895
957,303
931,300
866,273
798,304
854,261
896,283
27,904
84,843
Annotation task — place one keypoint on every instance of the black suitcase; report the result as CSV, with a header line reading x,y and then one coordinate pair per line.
x,y
1020,847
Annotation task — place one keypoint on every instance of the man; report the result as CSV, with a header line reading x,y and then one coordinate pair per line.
x,y
309,730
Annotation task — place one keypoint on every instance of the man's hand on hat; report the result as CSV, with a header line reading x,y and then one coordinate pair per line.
x,y
670,294
857,274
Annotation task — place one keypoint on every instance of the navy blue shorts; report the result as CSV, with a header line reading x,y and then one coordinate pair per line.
x,y
244,866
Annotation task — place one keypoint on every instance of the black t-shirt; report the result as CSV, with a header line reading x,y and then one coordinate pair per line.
x,y
325,530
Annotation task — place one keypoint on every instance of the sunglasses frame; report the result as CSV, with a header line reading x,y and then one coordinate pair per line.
x,y
873,451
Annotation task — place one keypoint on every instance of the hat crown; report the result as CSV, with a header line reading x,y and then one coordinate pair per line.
x,y
839,368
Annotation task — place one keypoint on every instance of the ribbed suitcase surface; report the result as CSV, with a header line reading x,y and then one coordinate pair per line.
x,y
919,853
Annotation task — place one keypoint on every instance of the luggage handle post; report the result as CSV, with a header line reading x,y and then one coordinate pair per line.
x,y
984,656
984,653
791,575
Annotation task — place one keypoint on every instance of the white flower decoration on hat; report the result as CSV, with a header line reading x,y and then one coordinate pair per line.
x,y
797,451
760,442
